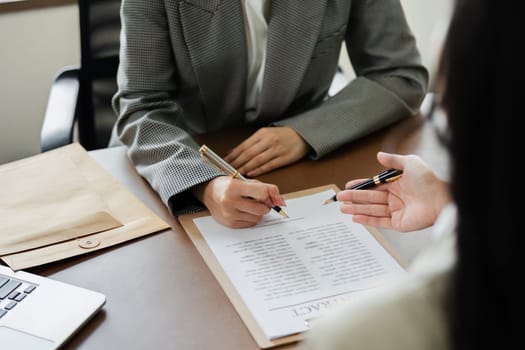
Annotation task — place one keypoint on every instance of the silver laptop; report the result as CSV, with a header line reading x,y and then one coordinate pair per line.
x,y
41,313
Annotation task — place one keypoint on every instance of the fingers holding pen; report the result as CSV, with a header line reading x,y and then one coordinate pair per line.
x,y
352,183
357,207
256,199
262,193
236,203
375,196
369,207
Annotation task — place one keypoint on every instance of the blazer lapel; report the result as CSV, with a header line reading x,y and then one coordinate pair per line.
x,y
214,34
293,31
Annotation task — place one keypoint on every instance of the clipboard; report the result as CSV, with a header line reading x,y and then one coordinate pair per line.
x,y
130,218
214,265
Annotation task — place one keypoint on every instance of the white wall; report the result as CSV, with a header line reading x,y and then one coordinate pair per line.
x,y
35,44
428,20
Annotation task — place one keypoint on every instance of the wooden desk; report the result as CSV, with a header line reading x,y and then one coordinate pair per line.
x,y
160,293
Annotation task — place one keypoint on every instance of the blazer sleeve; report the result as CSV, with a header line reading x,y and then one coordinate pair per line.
x,y
390,82
162,151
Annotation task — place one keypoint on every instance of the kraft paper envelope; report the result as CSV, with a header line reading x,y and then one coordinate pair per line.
x,y
46,200
133,218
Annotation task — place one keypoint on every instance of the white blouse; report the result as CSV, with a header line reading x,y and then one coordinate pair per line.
x,y
256,27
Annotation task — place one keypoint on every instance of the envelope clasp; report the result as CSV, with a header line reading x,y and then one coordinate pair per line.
x,y
88,243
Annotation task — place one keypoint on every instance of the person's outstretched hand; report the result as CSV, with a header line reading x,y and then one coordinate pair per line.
x,y
236,203
411,203
267,149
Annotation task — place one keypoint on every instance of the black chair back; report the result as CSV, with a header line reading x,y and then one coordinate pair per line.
x,y
99,42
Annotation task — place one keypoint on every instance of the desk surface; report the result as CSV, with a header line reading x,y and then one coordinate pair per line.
x,y
160,293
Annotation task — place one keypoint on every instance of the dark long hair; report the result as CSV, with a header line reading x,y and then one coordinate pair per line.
x,y
483,74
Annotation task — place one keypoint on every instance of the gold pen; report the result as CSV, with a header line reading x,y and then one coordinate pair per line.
x,y
383,177
210,156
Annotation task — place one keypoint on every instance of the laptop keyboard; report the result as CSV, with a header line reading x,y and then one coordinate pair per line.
x,y
12,292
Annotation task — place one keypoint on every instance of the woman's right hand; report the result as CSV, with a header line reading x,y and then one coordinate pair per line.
x,y
411,203
236,203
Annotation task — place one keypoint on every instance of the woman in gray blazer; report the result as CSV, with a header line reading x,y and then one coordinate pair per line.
x,y
195,66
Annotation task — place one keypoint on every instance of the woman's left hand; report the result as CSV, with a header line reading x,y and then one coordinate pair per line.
x,y
267,149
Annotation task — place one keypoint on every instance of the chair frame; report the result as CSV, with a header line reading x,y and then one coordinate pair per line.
x,y
70,100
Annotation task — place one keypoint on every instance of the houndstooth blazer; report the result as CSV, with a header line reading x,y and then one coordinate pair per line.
x,y
183,67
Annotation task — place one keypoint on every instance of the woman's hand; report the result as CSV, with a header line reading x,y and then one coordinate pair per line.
x,y
236,203
411,203
267,149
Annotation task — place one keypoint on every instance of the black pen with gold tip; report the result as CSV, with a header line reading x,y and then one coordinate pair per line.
x,y
381,178
210,156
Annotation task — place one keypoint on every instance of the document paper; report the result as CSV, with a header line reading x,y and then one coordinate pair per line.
x,y
289,271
